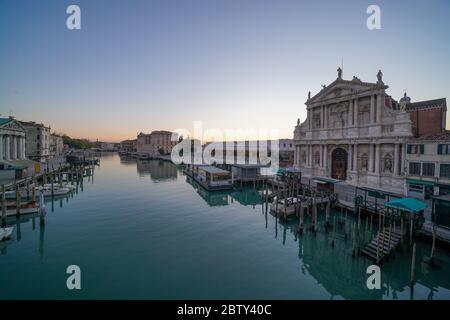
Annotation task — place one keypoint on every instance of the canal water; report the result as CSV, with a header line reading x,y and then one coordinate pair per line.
x,y
143,230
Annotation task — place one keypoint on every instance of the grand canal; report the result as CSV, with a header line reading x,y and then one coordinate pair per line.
x,y
143,230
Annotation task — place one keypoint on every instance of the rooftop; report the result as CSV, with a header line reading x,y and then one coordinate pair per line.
x,y
33,124
427,104
5,120
213,170
442,136
249,166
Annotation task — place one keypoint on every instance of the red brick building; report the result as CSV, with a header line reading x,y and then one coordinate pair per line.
x,y
428,117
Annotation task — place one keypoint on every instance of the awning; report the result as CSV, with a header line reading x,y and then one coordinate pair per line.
x,y
407,204
421,182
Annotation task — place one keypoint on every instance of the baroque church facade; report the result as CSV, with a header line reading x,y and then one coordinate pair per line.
x,y
354,131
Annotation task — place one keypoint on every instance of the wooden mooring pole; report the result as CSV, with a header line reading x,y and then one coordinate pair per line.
x,y
18,200
413,264
334,231
3,206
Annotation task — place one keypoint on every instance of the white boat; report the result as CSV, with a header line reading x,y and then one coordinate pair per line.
x,y
57,191
5,233
60,185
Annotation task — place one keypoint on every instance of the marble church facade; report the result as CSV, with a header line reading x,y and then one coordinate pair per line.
x,y
12,140
353,133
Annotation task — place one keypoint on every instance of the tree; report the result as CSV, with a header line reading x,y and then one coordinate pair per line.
x,y
77,143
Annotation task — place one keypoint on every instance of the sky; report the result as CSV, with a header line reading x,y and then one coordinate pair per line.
x,y
231,64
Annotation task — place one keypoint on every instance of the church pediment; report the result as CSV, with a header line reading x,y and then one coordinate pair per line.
x,y
12,125
340,88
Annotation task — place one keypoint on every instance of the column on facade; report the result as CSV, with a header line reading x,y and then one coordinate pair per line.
x,y
7,150
1,147
350,113
325,156
355,157
19,147
380,99
307,155
396,158
308,151
309,119
403,168
322,156
377,158
295,155
23,148
349,157
13,147
370,169
372,108
310,155
355,112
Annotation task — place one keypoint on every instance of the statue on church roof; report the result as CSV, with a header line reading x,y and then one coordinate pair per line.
x,y
339,70
298,121
380,76
309,95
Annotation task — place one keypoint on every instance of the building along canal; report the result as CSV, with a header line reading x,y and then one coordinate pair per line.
x,y
143,230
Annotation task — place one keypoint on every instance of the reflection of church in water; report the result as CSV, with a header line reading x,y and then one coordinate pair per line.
x,y
158,170
354,131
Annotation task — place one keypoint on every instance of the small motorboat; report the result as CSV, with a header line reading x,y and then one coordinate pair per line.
x,y
5,233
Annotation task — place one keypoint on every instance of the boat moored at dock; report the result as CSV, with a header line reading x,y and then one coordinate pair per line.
x,y
209,177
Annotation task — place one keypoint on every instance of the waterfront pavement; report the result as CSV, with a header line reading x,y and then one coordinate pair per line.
x,y
51,164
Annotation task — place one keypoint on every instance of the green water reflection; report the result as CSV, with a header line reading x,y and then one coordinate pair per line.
x,y
141,229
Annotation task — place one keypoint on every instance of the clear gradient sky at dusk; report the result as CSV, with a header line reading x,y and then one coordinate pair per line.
x,y
149,65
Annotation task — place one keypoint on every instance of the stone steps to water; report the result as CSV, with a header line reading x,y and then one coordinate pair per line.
x,y
382,245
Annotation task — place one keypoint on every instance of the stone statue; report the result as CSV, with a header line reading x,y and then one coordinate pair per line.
x,y
380,76
339,70
309,95
298,121
341,118
388,164
323,86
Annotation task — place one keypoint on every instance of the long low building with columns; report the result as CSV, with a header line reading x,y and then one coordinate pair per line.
x,y
354,131
12,140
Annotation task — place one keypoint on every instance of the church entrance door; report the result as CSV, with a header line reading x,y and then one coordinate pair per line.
x,y
339,164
